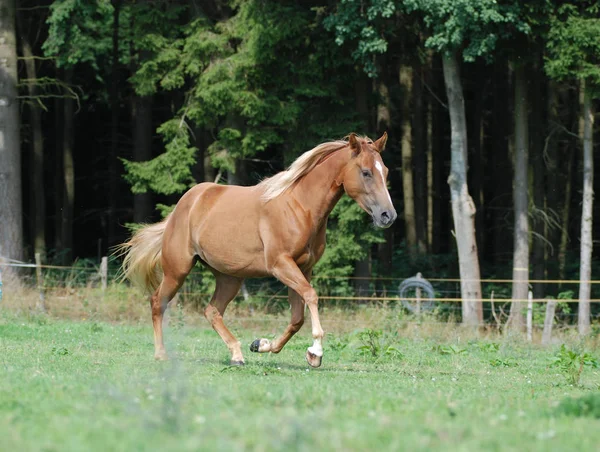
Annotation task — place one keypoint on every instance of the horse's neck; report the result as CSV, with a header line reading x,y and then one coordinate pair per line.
x,y
319,191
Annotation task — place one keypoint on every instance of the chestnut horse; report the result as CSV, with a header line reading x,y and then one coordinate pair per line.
x,y
276,228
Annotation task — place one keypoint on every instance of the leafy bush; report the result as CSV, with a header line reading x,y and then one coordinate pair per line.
x,y
572,363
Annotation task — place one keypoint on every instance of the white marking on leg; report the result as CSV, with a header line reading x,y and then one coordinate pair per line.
x,y
316,348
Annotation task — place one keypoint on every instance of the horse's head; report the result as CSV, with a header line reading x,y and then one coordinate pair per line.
x,y
364,179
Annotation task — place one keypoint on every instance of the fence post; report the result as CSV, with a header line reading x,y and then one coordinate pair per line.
x,y
548,322
39,277
245,292
530,316
104,272
418,296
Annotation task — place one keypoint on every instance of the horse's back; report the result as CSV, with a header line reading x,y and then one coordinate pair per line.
x,y
223,226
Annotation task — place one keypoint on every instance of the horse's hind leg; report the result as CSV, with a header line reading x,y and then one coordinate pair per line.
x,y
175,272
226,289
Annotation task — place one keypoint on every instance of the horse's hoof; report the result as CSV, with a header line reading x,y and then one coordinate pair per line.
x,y
161,357
237,363
260,346
313,360
254,346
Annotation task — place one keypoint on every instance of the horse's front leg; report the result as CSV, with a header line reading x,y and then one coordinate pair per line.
x,y
286,271
296,322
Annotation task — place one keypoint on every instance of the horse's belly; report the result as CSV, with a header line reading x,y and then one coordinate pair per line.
x,y
232,254
231,264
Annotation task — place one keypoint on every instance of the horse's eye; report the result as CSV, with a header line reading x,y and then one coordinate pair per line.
x,y
366,173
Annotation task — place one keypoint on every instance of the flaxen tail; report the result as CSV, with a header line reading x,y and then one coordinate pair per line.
x,y
142,253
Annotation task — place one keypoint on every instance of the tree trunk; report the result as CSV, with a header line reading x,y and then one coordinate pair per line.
x,y
142,151
430,172
463,208
239,176
553,184
437,121
208,169
585,266
363,267
68,172
520,278
383,123
406,82
565,217
38,200
540,227
11,218
477,171
57,176
500,166
419,158
113,178
362,272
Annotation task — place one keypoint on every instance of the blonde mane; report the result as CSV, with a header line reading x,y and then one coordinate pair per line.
x,y
280,182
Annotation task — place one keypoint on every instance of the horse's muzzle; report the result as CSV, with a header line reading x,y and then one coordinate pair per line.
x,y
385,219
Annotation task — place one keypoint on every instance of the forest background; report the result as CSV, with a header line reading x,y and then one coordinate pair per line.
x,y
110,110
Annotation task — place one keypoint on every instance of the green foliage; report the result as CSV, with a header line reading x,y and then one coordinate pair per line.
x,y
449,349
349,235
169,172
239,86
474,28
567,295
573,45
571,363
503,362
337,343
367,26
60,351
79,32
585,406
490,347
375,344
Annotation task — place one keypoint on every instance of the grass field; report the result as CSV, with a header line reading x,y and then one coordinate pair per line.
x,y
79,385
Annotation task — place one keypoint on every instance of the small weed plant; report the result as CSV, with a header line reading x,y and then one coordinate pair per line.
x,y
500,362
449,350
376,344
571,363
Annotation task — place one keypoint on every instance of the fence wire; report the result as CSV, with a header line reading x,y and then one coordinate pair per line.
x,y
339,290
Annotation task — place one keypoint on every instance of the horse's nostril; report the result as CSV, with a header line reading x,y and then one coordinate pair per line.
x,y
385,216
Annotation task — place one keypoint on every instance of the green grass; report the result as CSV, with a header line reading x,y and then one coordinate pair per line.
x,y
68,385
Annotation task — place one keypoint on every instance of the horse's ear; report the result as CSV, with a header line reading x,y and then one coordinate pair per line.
x,y
380,144
354,144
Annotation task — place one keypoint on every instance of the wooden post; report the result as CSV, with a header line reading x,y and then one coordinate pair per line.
x,y
39,277
530,316
245,292
418,310
104,272
548,322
